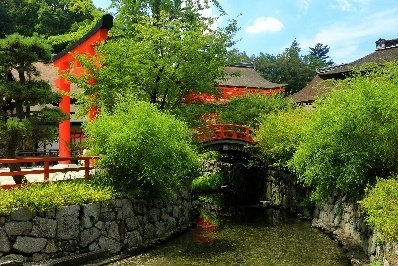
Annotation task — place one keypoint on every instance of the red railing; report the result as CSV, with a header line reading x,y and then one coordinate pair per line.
x,y
46,170
224,131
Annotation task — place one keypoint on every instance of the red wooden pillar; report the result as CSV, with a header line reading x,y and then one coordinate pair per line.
x,y
64,127
63,60
93,111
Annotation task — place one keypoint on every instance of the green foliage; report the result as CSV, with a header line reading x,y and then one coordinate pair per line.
x,y
210,156
167,58
46,17
279,135
235,56
188,10
208,182
376,263
193,114
352,135
381,204
49,196
247,110
144,152
288,67
11,134
81,17
320,51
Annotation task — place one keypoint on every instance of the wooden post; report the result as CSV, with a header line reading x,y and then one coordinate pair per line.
x,y
46,170
86,168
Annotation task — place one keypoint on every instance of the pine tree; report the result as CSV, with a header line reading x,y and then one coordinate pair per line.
x,y
320,51
20,89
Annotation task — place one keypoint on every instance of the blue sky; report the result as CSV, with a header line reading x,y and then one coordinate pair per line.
x,y
349,27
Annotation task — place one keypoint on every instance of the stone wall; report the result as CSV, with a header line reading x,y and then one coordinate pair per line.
x,y
282,190
344,220
108,227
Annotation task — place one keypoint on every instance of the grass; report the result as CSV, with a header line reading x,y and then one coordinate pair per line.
x,y
52,195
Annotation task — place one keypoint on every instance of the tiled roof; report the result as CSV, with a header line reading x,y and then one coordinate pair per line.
x,y
244,75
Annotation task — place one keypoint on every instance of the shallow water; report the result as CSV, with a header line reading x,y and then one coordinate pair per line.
x,y
251,235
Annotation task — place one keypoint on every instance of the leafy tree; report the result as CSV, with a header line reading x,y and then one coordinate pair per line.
x,y
295,46
195,114
279,135
154,7
167,58
148,155
288,67
3,21
81,16
353,133
47,17
320,51
265,64
248,109
235,56
17,55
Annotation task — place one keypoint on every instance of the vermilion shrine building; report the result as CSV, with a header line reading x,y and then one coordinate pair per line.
x,y
242,79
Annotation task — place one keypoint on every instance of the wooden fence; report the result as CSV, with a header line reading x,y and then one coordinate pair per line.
x,y
46,170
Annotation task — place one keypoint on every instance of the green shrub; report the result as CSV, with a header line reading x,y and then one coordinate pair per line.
x,y
48,196
248,109
352,135
381,204
144,152
208,182
279,135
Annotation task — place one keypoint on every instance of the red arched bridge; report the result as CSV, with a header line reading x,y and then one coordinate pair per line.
x,y
225,137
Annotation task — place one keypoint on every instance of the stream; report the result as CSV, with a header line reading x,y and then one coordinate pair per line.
x,y
229,234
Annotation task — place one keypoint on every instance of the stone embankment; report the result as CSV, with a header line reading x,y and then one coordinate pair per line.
x,y
342,219
96,228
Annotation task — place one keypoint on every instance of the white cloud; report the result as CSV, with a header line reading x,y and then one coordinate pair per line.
x,y
345,54
264,24
348,35
344,5
303,4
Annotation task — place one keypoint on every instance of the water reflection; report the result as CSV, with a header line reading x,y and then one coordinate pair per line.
x,y
203,232
227,234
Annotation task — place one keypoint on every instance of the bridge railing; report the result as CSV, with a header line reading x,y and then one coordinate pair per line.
x,y
46,170
224,131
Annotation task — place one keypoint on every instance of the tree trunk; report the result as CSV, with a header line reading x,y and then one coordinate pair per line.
x,y
18,179
11,153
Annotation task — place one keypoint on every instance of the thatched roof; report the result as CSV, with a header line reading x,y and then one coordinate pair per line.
x,y
316,88
379,56
48,73
244,75
386,50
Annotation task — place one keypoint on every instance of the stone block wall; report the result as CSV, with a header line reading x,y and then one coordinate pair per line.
x,y
112,226
282,190
342,219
